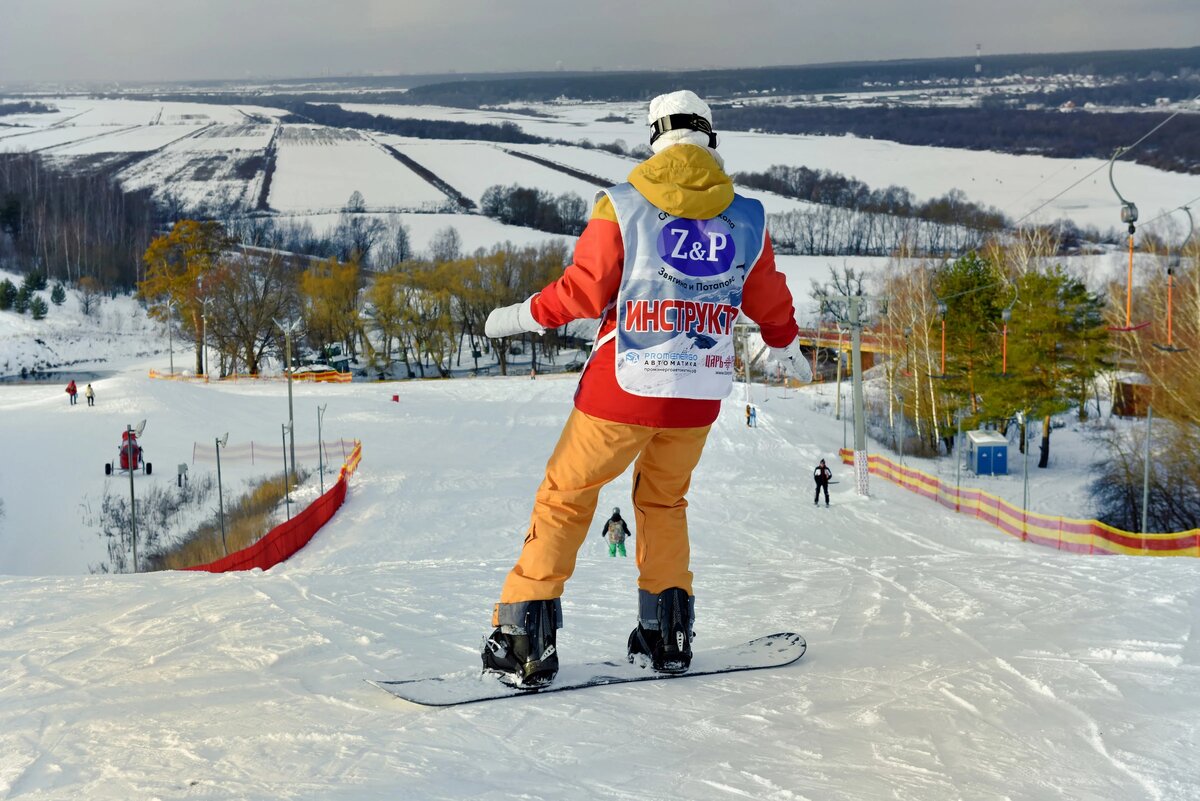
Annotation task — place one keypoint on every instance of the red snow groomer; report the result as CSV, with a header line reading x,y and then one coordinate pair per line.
x,y
129,453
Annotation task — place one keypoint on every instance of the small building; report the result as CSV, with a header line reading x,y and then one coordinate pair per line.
x,y
987,453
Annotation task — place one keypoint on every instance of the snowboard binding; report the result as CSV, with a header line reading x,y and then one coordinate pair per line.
x,y
667,648
524,657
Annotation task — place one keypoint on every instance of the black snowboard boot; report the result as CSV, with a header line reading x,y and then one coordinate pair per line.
x,y
525,655
667,648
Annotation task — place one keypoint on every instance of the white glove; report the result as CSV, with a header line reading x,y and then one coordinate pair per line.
x,y
514,319
792,361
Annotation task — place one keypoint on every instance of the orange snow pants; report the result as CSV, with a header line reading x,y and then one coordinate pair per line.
x,y
590,453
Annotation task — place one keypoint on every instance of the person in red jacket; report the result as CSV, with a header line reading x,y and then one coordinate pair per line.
x,y
668,262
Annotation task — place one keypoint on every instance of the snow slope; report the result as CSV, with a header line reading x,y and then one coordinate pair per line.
x,y
946,660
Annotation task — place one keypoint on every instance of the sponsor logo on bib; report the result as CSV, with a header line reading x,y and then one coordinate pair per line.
x,y
697,248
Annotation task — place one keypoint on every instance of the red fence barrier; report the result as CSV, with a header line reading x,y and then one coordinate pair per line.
x,y
289,537
1053,531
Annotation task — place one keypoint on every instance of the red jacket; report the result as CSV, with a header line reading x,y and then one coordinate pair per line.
x,y
684,181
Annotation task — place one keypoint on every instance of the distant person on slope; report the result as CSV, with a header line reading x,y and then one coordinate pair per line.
x,y
90,394
615,531
821,475
72,391
668,262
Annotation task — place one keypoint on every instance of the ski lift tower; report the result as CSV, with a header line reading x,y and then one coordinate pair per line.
x,y
852,319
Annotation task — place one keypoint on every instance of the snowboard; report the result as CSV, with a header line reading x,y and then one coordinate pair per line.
x,y
473,686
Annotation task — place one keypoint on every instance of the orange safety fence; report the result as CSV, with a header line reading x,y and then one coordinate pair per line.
x,y
1062,533
320,377
289,537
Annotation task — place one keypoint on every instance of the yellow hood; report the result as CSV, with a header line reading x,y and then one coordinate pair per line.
x,y
684,181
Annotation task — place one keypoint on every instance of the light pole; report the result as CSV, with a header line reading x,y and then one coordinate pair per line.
x,y
132,462
204,337
287,348
958,445
220,443
1023,420
171,333
287,497
321,447
1146,470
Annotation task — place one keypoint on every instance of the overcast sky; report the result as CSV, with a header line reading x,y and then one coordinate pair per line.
x,y
79,40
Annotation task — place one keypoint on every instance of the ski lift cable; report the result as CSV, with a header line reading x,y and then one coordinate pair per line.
x,y
1169,212
1123,151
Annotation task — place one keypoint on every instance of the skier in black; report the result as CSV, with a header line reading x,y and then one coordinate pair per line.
x,y
821,475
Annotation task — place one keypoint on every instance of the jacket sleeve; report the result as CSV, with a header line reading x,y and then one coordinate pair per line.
x,y
591,281
767,300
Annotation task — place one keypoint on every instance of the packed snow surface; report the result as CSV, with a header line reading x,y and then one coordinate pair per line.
x,y
946,660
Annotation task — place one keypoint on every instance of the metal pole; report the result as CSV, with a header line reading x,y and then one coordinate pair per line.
x,y
287,339
204,340
958,460
321,448
220,495
1146,470
860,431
1025,496
171,335
132,498
900,398
287,498
843,416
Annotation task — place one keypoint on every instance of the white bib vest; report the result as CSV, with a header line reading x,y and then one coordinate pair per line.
x,y
680,294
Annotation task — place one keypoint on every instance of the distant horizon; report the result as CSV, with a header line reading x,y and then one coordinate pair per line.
x,y
350,75
117,41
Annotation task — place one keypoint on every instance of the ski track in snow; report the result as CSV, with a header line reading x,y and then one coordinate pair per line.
x,y
946,660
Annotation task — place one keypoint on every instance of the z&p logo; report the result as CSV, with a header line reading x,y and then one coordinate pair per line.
x,y
698,248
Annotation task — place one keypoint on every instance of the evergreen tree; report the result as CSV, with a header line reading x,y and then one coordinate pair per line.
x,y
973,292
21,301
8,294
1056,344
58,294
38,308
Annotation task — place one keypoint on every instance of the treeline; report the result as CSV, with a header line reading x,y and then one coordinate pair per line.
x,y
836,231
1174,147
535,208
71,226
834,189
421,313
338,117
25,107
849,218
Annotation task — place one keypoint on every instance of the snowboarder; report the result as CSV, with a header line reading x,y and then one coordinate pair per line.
x,y
751,415
821,475
615,531
90,394
668,261
72,391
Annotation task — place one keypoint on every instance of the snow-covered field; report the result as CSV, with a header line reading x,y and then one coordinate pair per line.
x,y
318,168
946,660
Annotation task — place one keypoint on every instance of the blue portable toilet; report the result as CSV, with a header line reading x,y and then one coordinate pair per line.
x,y
987,453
